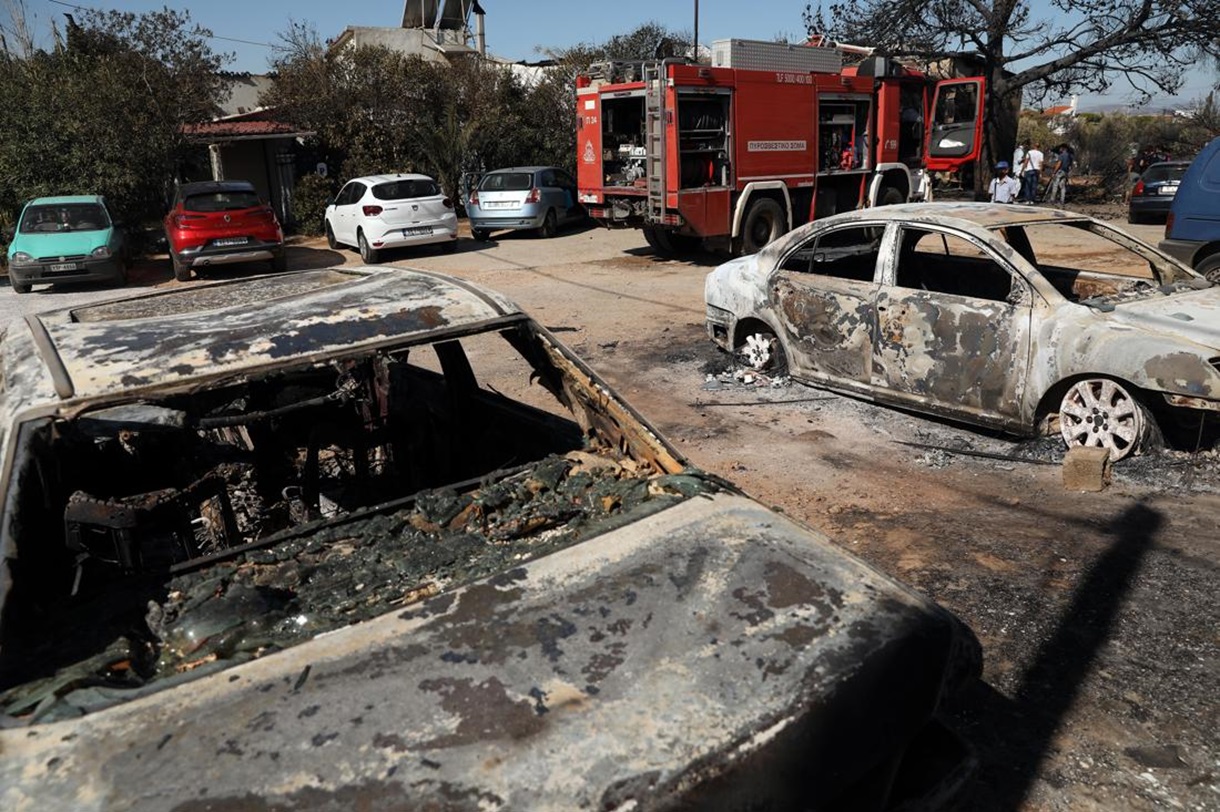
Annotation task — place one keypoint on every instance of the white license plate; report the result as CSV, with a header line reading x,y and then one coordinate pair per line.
x,y
63,266
500,204
1167,190
416,232
223,241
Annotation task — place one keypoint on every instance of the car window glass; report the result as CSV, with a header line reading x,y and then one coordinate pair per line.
x,y
565,180
548,178
345,196
1161,172
220,201
405,189
845,253
64,217
940,262
506,182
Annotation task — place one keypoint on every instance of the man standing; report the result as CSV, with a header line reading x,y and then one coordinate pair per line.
x,y
1032,174
1057,191
1004,187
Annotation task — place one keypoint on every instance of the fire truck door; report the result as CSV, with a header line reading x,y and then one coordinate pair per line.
x,y
956,128
822,294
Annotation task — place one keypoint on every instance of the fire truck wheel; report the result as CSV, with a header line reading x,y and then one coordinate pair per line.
x,y
659,240
764,223
684,243
890,197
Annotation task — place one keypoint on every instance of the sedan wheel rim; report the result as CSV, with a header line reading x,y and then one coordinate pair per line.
x,y
1099,413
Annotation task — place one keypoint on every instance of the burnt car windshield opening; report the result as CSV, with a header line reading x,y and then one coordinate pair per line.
x,y
1090,263
506,182
221,201
64,217
173,537
405,189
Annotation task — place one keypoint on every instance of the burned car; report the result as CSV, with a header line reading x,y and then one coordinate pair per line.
x,y
1014,318
353,538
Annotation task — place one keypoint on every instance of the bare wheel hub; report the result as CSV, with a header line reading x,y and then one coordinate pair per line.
x,y
1101,413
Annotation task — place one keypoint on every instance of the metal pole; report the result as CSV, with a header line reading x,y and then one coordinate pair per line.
x,y
696,31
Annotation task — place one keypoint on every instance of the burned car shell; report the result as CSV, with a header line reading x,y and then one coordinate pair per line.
x,y
1166,345
712,652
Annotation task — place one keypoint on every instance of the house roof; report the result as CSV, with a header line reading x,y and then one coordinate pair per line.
x,y
1060,110
229,130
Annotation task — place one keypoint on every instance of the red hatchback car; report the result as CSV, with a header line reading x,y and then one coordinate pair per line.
x,y
219,223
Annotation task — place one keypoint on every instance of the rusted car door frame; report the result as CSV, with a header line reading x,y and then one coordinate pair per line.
x,y
828,321
952,354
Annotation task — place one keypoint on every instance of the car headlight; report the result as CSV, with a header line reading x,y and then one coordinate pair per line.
x,y
21,258
101,252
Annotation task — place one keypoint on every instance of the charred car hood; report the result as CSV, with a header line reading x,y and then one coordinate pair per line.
x,y
703,643
1193,316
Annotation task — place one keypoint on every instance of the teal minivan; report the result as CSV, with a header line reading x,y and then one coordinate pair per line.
x,y
1192,231
66,239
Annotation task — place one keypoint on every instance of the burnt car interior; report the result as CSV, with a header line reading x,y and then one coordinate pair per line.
x,y
214,525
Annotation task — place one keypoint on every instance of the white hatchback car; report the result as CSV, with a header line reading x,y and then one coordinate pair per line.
x,y
390,211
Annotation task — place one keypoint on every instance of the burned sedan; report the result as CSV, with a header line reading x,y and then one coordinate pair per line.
x,y
1016,318
367,539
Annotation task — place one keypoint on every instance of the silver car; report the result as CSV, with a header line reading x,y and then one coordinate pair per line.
x,y
523,197
1017,318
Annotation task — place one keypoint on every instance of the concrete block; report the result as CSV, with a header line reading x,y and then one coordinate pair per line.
x,y
1086,469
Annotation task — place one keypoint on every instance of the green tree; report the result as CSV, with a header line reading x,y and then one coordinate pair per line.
x,y
102,112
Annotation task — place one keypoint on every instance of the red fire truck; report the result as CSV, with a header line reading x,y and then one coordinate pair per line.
x,y
768,137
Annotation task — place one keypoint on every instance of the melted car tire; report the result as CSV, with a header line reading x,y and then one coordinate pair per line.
x,y
763,225
368,253
776,366
331,242
1103,413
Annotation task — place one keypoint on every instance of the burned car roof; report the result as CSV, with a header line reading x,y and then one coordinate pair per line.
x,y
213,330
380,536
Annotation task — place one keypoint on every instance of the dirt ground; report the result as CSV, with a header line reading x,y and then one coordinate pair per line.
x,y
1097,611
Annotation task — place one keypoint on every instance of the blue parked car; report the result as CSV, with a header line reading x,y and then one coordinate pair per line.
x,y
66,239
1192,231
523,197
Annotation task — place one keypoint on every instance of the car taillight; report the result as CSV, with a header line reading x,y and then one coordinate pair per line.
x,y
474,198
534,196
1168,224
185,220
447,203
371,211
1139,188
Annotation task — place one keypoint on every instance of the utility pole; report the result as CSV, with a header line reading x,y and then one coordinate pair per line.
x,y
696,31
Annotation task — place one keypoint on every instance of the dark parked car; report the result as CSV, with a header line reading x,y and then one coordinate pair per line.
x,y
66,239
375,539
221,223
1153,193
1192,231
524,197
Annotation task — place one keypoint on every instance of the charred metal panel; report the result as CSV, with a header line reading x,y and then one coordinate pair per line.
x,y
622,674
104,356
971,353
828,325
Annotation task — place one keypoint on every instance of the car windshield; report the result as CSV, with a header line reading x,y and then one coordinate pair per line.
x,y
1091,263
405,189
506,182
1162,172
182,534
41,219
221,201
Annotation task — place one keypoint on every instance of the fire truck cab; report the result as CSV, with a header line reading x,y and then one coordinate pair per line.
x,y
768,137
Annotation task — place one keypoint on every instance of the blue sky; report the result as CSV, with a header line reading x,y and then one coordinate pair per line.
x,y
515,28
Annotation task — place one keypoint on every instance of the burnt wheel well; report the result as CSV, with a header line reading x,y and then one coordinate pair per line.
x,y
1052,397
748,326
